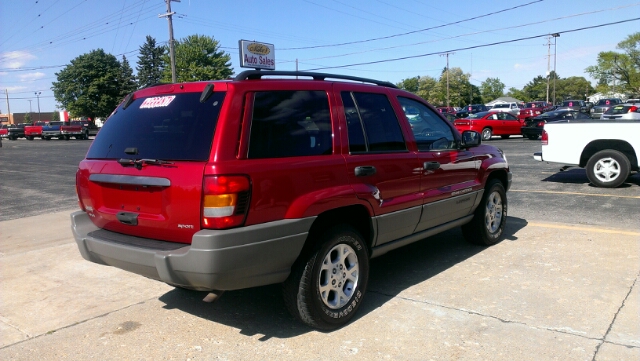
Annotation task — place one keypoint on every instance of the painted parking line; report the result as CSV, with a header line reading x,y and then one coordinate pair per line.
x,y
580,228
574,193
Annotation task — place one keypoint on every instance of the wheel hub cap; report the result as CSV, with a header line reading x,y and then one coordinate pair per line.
x,y
339,275
607,169
493,212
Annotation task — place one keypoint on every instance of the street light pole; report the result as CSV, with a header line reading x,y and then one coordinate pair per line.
x,y
555,55
38,96
30,111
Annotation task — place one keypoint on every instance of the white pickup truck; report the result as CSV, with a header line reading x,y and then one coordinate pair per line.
x,y
608,150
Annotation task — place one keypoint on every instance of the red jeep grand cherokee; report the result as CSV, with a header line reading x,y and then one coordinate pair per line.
x,y
224,185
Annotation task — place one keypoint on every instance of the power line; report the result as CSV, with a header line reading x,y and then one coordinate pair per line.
x,y
469,34
413,32
473,47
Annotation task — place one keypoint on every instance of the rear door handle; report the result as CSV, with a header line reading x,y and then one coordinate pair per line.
x,y
431,165
364,171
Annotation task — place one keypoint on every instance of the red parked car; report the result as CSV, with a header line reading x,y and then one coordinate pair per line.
x,y
533,109
490,124
446,110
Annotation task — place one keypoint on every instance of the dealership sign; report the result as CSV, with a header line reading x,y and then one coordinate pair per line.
x,y
257,55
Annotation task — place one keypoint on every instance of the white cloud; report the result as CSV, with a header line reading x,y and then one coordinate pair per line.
x,y
15,89
15,59
31,76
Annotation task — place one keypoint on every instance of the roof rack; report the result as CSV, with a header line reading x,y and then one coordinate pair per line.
x,y
257,74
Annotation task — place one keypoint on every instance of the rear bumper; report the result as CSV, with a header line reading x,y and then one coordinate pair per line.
x,y
537,156
215,260
531,131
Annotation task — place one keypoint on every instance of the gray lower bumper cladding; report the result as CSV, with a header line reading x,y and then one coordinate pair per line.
x,y
215,260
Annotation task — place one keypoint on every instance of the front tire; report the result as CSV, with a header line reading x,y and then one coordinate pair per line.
x,y
608,168
487,226
325,290
486,134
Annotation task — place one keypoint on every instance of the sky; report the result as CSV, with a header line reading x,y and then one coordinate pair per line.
x,y
387,40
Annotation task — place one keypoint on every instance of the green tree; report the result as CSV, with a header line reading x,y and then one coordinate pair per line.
x,y
536,89
518,94
491,89
428,89
410,84
198,58
459,87
150,63
575,87
56,116
27,118
425,87
127,80
89,86
619,70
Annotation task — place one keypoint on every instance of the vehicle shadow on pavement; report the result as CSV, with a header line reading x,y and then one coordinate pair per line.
x,y
579,176
261,310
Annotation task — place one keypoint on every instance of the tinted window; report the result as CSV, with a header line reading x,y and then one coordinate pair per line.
x,y
290,124
169,127
430,131
378,129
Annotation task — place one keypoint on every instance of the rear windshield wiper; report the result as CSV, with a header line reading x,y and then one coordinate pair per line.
x,y
139,162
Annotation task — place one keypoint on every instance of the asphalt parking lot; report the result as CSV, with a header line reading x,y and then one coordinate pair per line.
x,y
562,285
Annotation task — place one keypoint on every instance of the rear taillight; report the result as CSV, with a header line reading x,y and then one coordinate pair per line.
x,y
632,109
541,124
225,200
80,204
545,137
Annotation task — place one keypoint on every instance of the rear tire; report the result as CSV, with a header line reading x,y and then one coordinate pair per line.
x,y
325,290
608,168
29,138
490,217
486,134
532,137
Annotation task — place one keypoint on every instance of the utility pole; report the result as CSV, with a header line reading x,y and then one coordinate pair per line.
x,y
30,106
172,53
548,63
6,92
470,86
38,96
447,55
555,56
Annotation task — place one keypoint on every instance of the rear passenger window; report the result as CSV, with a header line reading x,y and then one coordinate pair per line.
x,y
290,124
371,123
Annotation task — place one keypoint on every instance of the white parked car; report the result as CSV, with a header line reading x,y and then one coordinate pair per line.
x,y
622,111
512,108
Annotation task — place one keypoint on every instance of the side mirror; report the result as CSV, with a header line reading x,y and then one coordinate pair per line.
x,y
470,138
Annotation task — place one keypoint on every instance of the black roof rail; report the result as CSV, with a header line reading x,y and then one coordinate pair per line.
x,y
257,74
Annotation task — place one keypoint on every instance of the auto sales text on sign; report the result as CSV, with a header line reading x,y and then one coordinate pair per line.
x,y
257,55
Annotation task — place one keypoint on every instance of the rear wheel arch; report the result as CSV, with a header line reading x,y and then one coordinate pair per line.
x,y
356,216
612,144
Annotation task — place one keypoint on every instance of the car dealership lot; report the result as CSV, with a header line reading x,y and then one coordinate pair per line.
x,y
562,285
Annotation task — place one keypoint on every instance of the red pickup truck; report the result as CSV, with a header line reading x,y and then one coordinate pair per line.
x,y
74,129
34,130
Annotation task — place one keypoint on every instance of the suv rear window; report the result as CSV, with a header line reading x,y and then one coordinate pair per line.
x,y
169,127
290,124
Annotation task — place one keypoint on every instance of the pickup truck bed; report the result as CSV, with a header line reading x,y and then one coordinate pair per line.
x,y
608,150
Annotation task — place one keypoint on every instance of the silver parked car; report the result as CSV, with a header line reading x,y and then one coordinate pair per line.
x,y
626,111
